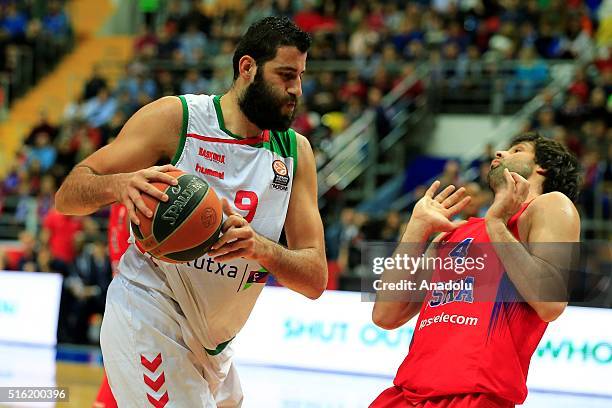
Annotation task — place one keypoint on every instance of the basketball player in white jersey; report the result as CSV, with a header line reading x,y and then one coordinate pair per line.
x,y
167,330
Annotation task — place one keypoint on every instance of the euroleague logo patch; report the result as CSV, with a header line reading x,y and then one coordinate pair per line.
x,y
281,175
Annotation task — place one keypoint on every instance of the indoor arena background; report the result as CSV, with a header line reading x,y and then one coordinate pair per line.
x,y
396,94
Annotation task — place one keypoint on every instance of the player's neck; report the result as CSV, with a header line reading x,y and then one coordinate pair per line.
x,y
535,189
235,121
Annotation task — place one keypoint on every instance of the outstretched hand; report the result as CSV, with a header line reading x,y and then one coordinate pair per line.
x,y
434,212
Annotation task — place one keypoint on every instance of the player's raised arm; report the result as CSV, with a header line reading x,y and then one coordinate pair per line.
x,y
122,170
431,214
539,270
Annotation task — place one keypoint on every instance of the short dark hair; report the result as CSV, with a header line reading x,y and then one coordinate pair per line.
x,y
562,168
263,38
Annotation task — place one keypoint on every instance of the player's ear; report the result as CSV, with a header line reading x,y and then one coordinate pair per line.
x,y
539,170
247,67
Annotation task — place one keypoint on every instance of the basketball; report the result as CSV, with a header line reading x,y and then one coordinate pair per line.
x,y
184,227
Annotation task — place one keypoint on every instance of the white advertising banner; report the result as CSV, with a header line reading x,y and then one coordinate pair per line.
x,y
29,307
335,334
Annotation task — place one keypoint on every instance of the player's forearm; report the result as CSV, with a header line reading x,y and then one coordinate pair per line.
x,y
535,279
412,245
393,308
301,270
84,192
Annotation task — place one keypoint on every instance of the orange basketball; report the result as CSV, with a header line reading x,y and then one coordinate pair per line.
x,y
184,227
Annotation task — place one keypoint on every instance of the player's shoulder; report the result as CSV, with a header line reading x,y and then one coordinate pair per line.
x,y
551,201
163,109
553,205
303,144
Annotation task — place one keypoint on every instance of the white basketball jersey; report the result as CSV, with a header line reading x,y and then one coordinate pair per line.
x,y
255,176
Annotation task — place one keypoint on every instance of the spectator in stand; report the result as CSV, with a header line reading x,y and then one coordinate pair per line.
x,y
195,17
283,8
59,233
383,121
42,152
112,128
192,45
56,23
597,107
353,86
580,86
174,17
221,60
545,123
25,202
194,83
257,10
577,41
450,175
324,99
45,262
531,74
98,111
308,18
548,43
46,195
502,44
361,39
66,158
167,44
94,84
221,81
165,83
14,23
480,200
469,68
138,85
88,283
146,43
391,229
27,259
43,125
572,113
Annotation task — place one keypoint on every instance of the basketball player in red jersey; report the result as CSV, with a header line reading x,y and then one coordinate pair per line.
x,y
470,352
118,234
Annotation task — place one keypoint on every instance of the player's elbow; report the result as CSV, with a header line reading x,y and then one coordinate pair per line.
x,y
318,286
62,205
383,319
60,202
550,311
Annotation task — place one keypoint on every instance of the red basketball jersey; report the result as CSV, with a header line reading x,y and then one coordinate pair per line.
x,y
118,234
476,339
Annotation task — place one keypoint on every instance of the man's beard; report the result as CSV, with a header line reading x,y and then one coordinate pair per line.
x,y
263,107
496,178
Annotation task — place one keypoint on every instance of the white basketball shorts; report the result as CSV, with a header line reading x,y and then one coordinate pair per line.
x,y
150,360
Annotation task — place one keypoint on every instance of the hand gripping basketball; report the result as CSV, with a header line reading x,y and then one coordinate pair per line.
x,y
130,187
239,240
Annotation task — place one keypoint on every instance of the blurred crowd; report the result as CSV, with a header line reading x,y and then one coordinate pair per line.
x,y
361,50
465,44
34,34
